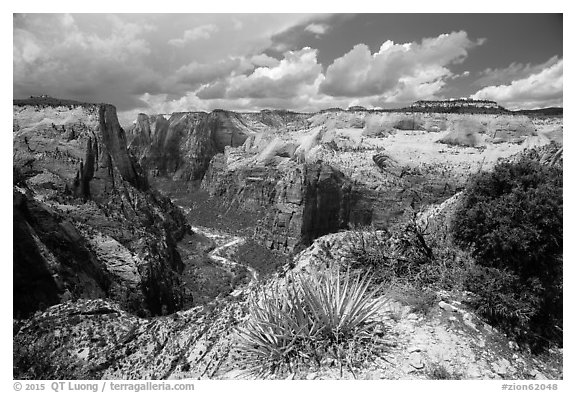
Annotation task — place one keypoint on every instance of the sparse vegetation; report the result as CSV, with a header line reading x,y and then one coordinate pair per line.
x,y
50,101
412,262
439,371
409,257
309,317
509,225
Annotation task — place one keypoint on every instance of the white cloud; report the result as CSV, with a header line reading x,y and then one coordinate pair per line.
x,y
541,89
317,28
294,75
192,75
397,70
501,76
52,54
117,58
395,75
263,60
201,32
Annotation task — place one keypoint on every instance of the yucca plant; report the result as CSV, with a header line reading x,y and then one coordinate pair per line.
x,y
277,326
341,306
305,316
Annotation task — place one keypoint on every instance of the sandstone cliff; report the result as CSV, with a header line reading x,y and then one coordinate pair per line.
x,y
86,224
303,178
385,165
182,145
297,202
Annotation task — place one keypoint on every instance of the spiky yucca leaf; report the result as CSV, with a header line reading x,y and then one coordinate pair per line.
x,y
307,312
343,305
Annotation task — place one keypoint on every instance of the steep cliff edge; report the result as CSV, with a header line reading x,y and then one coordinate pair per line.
x,y
295,202
86,224
386,165
381,168
180,146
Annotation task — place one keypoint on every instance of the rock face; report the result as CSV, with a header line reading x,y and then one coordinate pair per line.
x,y
299,201
96,339
378,166
90,235
182,146
86,224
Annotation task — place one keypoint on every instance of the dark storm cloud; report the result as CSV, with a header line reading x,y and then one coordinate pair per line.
x,y
118,58
170,62
54,55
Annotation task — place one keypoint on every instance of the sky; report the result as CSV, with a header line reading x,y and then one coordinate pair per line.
x,y
163,63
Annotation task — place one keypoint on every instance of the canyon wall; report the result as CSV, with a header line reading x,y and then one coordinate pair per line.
x,y
86,223
288,171
296,202
181,145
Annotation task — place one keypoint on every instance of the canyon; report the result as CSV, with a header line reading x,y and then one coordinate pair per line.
x,y
129,241
300,176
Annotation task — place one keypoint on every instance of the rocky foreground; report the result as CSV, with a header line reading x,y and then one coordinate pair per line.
x,y
95,339
101,282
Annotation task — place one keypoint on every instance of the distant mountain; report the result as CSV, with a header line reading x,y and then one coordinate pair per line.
x,y
45,100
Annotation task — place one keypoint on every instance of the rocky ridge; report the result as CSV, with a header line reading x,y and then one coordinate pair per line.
x,y
86,224
278,175
390,164
181,145
94,339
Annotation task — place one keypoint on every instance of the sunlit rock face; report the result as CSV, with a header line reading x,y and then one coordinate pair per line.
x,y
301,201
181,145
86,224
380,167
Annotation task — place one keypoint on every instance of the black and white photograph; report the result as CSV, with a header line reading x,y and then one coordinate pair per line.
x,y
286,196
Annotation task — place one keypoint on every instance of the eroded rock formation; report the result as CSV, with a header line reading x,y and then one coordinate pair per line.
x,y
298,202
86,224
386,165
181,145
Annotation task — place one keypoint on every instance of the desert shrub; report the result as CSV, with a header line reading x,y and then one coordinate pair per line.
x,y
409,256
503,298
420,300
440,372
511,221
306,317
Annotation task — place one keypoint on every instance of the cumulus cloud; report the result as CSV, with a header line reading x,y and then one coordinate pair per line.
x,y
500,76
224,61
118,58
397,71
541,89
192,75
197,33
395,74
53,55
294,75
263,60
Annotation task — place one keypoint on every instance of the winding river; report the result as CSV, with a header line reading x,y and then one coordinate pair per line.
x,y
224,241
